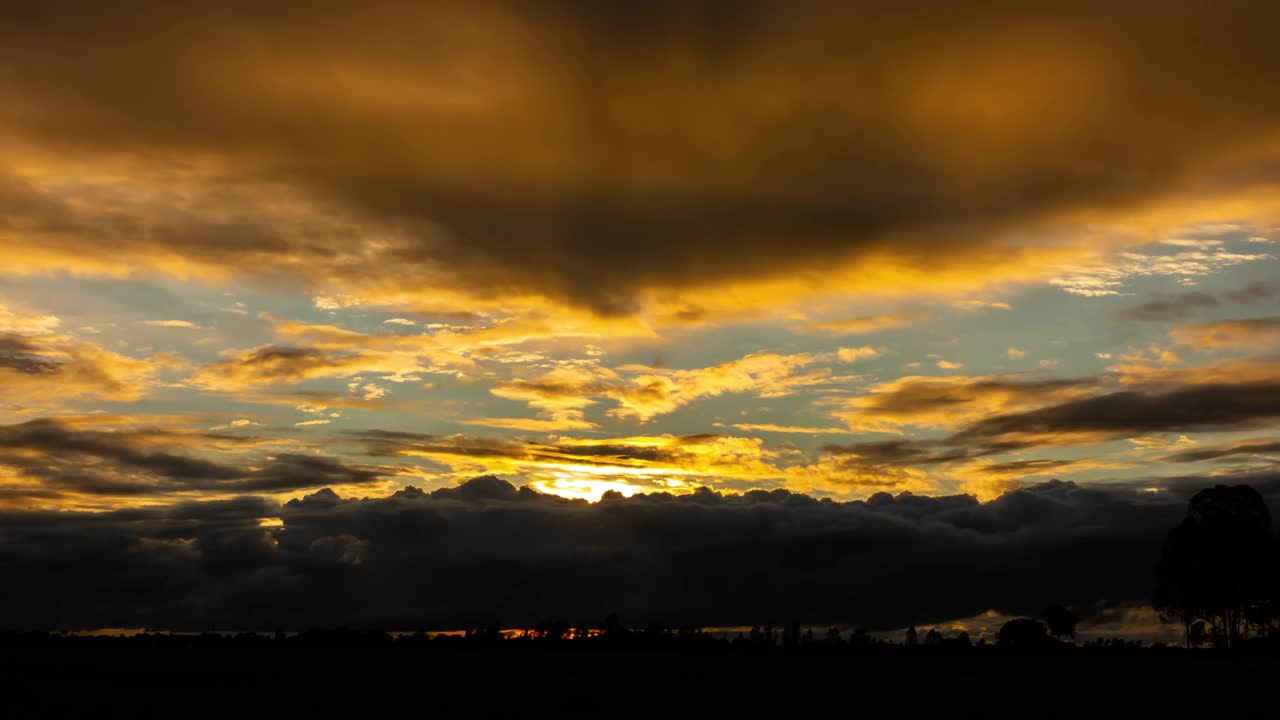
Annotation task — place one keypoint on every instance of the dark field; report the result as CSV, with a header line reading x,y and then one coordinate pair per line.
x,y
356,681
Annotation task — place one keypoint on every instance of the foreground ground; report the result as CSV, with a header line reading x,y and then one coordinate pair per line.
x,y
632,684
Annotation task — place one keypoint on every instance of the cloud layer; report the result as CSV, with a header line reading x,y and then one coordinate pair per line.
x,y
485,552
595,156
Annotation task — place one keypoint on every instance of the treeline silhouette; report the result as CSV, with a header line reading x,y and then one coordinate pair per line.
x,y
1014,637
1052,634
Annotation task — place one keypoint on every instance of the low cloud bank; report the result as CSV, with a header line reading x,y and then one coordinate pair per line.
x,y
486,551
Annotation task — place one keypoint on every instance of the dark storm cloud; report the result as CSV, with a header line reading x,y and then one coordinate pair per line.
x,y
122,463
588,152
486,551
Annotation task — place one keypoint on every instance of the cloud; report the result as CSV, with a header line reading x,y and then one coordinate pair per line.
x,y
280,364
57,461
708,171
1181,307
563,421
1178,307
1248,448
1217,406
660,462
233,425
1108,278
952,401
40,367
1015,353
453,350
1256,291
642,392
981,305
770,427
588,467
275,364
485,551
869,323
895,452
171,323
1000,429
1251,334
13,323
318,400
851,355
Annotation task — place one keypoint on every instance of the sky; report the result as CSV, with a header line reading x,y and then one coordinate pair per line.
x,y
353,254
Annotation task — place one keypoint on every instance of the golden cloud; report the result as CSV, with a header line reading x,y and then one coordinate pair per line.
x,y
642,392
42,368
952,401
1254,334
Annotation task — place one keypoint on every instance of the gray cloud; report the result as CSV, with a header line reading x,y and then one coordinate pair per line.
x,y
16,353
1096,417
1168,309
122,463
1180,307
1134,412
485,551
1248,448
1256,291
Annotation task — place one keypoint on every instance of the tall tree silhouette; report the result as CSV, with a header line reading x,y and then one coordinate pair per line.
x,y
1218,565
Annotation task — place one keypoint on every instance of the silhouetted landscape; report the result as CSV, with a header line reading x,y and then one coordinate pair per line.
x,y
1216,575
688,358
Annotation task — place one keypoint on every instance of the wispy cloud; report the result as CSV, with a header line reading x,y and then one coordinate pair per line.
x,y
171,324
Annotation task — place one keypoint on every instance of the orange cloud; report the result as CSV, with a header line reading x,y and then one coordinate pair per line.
x,y
1253,334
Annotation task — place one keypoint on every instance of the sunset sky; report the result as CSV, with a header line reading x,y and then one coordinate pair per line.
x,y
839,249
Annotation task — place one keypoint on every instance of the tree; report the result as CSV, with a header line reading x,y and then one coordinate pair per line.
x,y
1219,564
1061,621
1023,634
